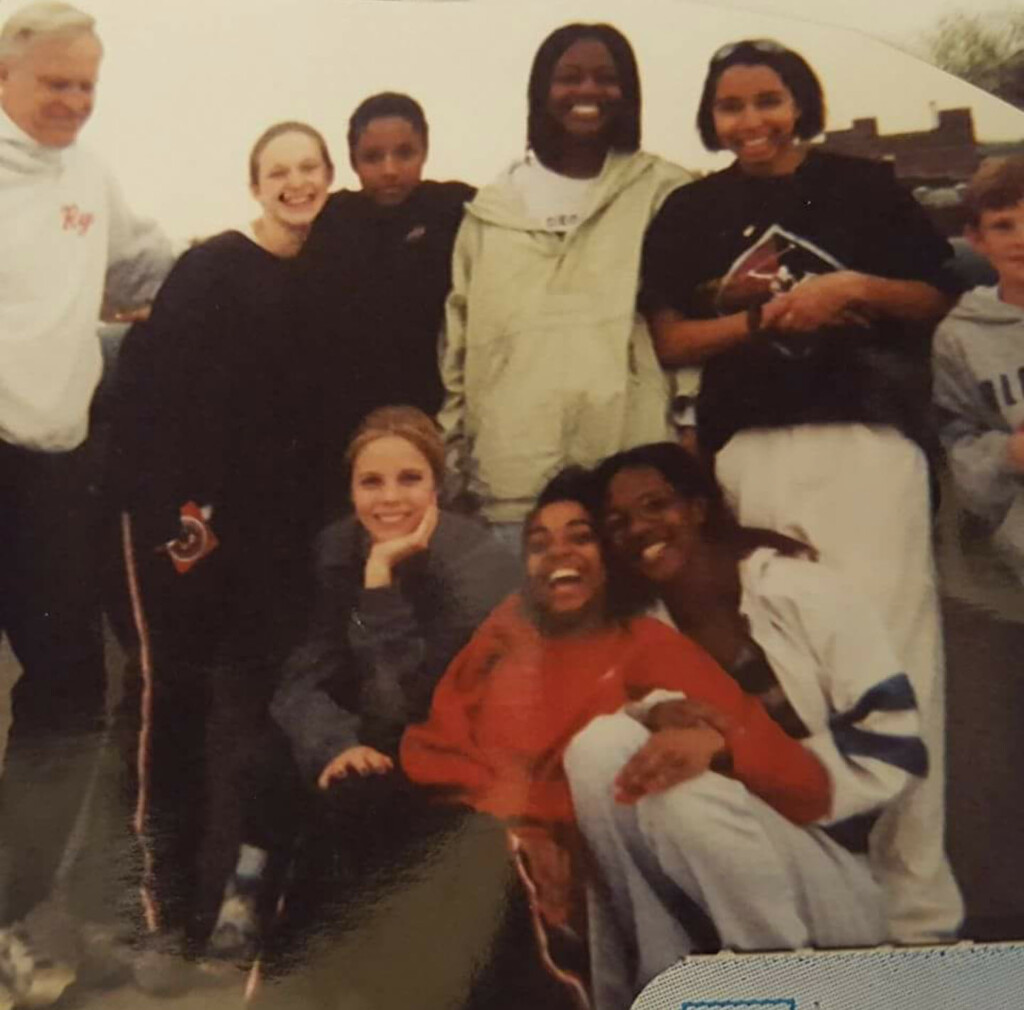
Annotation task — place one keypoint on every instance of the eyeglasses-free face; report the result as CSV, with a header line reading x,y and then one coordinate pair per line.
x,y
755,116
565,570
292,180
388,157
48,89
585,94
392,488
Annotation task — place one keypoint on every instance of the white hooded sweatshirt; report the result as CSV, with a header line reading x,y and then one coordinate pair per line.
x,y
65,237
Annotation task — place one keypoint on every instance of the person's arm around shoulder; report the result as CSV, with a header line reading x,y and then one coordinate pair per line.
x,y
139,255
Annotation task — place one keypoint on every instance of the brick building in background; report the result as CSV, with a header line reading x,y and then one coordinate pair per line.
x,y
943,156
934,163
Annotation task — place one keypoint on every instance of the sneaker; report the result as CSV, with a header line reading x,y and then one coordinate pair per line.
x,y
235,938
33,978
159,968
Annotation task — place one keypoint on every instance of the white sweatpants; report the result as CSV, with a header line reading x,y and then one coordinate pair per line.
x,y
860,495
765,883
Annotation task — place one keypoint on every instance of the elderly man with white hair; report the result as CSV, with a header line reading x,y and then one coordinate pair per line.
x,y
68,243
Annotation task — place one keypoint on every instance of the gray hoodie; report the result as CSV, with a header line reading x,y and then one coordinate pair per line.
x,y
978,365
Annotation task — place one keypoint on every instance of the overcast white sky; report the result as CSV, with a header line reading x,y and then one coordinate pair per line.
x,y
188,84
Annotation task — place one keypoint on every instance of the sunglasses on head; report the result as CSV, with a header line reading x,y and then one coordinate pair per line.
x,y
761,45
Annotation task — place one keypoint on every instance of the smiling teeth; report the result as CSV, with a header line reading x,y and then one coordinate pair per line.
x,y
653,551
590,111
561,574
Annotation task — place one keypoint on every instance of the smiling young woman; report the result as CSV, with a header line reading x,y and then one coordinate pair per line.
x,y
545,361
710,850
217,470
401,586
755,116
565,653
805,284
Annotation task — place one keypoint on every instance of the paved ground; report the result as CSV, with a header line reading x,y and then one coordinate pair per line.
x,y
985,657
127,997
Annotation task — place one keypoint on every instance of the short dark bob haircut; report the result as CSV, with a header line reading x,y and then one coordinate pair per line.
x,y
997,185
386,105
543,134
791,67
577,484
693,480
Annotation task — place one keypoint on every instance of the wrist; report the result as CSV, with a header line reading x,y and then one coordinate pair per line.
x,y
754,315
377,574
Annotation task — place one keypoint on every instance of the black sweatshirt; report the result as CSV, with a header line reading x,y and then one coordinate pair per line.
x,y
374,282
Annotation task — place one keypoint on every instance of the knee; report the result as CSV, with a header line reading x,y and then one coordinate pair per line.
x,y
597,753
697,814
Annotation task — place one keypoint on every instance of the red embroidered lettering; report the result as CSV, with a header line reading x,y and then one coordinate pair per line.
x,y
73,220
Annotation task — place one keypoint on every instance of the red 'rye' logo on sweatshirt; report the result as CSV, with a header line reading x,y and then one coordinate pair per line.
x,y
76,220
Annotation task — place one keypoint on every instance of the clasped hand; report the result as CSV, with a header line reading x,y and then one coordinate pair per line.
x,y
834,299
670,756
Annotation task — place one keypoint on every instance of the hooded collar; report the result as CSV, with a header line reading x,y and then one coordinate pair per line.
x,y
983,305
501,204
20,154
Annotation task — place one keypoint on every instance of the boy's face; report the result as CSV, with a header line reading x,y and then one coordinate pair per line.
x,y
999,237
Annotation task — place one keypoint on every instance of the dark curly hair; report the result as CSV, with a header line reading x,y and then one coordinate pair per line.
x,y
577,484
692,479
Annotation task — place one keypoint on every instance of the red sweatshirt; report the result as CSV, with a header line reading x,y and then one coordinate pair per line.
x,y
510,702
